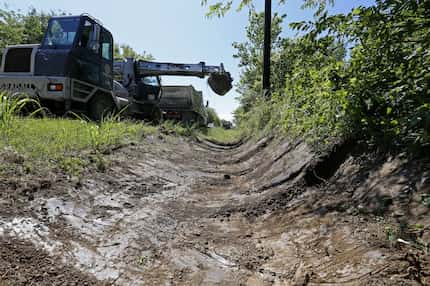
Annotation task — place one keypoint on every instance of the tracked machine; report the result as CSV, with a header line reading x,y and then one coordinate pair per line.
x,y
73,70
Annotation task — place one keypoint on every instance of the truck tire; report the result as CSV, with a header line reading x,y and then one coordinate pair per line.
x,y
101,106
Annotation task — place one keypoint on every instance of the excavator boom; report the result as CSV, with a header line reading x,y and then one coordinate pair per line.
x,y
219,80
198,70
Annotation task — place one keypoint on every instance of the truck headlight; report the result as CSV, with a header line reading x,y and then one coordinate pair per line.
x,y
55,87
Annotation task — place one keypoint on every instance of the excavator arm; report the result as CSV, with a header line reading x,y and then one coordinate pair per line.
x,y
198,70
219,80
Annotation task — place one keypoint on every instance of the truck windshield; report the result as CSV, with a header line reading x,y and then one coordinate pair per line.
x,y
61,33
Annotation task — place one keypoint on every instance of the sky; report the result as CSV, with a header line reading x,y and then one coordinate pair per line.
x,y
179,31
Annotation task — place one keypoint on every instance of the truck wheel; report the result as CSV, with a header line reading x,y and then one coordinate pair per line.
x,y
101,106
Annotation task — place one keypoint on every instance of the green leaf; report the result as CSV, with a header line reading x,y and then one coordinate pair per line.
x,y
389,110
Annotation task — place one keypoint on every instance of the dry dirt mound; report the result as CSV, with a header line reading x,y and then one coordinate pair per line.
x,y
175,212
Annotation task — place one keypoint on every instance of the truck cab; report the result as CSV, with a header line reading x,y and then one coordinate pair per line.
x,y
71,70
78,47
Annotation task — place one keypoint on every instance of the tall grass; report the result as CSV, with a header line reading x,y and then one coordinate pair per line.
x,y
175,128
224,136
10,106
69,144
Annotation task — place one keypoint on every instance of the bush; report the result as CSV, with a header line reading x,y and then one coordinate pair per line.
x,y
378,94
213,117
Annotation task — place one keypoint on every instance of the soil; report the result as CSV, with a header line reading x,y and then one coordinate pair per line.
x,y
23,264
173,211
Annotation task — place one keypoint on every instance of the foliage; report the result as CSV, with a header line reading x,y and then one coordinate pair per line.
x,y
250,54
223,136
69,144
10,106
29,28
170,127
220,8
312,102
213,117
125,51
306,99
103,134
259,120
376,92
23,28
387,78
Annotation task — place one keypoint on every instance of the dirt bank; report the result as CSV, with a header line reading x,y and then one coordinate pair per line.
x,y
170,211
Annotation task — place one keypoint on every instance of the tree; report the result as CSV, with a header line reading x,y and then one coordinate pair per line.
x,y
29,28
250,54
11,28
125,51
386,79
18,28
220,8
213,117
34,24
378,94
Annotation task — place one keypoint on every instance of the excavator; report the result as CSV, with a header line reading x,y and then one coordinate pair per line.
x,y
73,70
139,82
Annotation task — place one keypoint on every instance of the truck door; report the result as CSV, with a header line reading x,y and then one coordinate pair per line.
x,y
87,53
106,52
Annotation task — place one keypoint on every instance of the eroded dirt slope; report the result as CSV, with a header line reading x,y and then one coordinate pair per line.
x,y
171,211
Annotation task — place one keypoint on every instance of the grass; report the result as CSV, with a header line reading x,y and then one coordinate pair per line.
x,y
35,144
10,105
68,144
47,138
174,128
223,136
215,134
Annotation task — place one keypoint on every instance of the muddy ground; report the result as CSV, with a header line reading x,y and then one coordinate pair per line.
x,y
174,211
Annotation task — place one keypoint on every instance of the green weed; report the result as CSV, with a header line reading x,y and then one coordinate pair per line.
x,y
10,107
173,128
223,136
48,143
72,165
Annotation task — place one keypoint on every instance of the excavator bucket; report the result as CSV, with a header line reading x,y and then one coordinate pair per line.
x,y
220,83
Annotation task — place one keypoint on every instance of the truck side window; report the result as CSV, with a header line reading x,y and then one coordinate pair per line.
x,y
86,35
106,45
88,38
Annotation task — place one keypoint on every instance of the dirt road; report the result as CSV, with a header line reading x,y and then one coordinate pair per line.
x,y
171,211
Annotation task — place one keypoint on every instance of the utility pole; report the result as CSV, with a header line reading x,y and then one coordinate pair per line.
x,y
267,48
